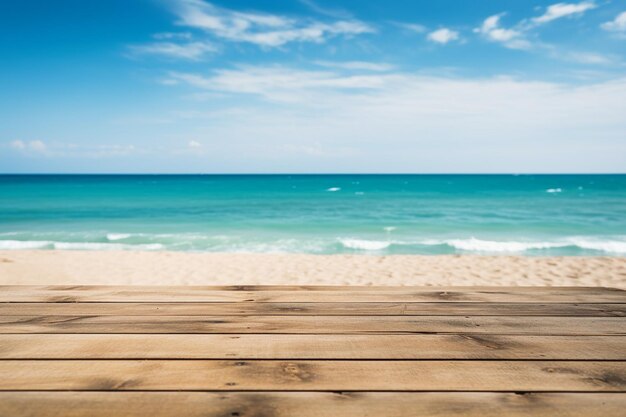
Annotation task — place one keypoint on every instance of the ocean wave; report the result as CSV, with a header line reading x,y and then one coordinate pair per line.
x,y
333,189
554,190
478,245
28,244
118,236
610,246
368,245
105,246
613,245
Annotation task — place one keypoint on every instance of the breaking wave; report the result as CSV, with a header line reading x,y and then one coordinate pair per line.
x,y
574,245
368,245
118,236
478,245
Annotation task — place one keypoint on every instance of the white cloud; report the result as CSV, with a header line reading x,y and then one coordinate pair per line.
x,y
18,144
443,36
105,150
413,27
616,25
194,144
280,83
265,30
338,13
500,123
191,50
173,35
71,150
357,65
560,10
36,146
510,38
589,58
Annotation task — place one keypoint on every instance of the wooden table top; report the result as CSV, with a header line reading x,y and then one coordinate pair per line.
x,y
283,351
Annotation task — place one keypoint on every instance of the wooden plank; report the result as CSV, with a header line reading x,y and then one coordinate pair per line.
x,y
177,375
314,309
111,346
308,404
315,325
408,294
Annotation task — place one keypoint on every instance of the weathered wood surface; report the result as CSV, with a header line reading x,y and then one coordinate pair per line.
x,y
320,375
462,346
314,309
254,351
342,294
315,325
309,404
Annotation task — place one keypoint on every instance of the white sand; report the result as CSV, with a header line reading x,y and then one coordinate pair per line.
x,y
178,268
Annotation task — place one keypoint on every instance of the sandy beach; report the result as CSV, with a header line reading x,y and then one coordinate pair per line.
x,y
184,268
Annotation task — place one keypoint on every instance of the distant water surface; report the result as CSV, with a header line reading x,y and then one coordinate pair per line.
x,y
320,214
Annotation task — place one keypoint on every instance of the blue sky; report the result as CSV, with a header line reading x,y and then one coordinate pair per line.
x,y
312,86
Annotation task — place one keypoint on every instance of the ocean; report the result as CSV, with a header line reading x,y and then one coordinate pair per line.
x,y
535,215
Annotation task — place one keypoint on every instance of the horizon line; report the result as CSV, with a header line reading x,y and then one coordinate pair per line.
x,y
306,173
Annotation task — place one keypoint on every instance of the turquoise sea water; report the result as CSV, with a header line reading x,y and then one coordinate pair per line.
x,y
322,214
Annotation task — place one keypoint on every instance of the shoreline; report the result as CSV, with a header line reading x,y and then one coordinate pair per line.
x,y
64,267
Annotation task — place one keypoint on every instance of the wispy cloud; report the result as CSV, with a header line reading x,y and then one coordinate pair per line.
x,y
192,50
36,146
64,150
173,35
413,112
592,58
412,27
327,11
518,36
510,38
443,36
560,10
280,83
616,25
267,30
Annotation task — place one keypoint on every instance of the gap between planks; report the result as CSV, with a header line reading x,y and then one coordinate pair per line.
x,y
314,309
315,325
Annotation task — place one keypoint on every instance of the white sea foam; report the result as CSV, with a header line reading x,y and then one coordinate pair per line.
x,y
118,236
105,246
554,190
19,244
281,246
369,245
478,245
610,246
334,189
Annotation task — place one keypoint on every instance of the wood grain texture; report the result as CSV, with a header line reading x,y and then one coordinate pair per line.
x,y
308,404
315,309
211,375
63,294
108,346
307,351
315,325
